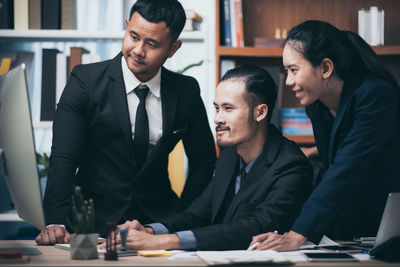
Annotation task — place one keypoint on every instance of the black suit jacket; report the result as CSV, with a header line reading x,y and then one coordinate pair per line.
x,y
269,198
92,132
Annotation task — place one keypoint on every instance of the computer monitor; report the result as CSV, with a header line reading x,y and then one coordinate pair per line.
x,y
18,154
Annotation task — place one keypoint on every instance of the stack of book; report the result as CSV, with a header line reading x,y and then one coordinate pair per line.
x,y
37,14
56,68
294,121
84,15
232,14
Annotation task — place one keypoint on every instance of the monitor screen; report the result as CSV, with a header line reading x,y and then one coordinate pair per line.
x,y
17,147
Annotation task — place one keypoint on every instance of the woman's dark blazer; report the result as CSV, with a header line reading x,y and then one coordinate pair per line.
x,y
360,153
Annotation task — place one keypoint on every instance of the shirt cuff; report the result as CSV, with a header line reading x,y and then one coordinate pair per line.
x,y
158,228
187,240
62,225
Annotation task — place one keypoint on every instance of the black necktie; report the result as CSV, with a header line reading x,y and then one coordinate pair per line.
x,y
243,174
141,141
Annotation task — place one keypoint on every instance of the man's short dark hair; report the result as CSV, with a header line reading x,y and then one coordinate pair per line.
x,y
259,85
169,11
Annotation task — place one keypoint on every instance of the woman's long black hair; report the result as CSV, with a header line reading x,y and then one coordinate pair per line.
x,y
350,54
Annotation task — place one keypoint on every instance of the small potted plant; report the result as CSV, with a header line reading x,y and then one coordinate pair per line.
x,y
84,239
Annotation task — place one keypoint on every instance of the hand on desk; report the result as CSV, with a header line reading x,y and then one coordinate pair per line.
x,y
141,240
289,241
53,234
135,225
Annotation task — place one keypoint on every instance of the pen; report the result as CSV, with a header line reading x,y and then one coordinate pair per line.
x,y
254,246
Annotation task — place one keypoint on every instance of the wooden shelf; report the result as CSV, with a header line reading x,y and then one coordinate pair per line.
x,y
389,50
249,51
302,139
76,35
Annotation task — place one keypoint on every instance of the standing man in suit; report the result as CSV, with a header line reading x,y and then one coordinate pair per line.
x,y
117,122
261,179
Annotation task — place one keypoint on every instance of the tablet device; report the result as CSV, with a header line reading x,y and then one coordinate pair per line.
x,y
329,256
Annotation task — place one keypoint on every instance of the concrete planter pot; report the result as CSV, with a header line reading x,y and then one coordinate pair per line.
x,y
84,246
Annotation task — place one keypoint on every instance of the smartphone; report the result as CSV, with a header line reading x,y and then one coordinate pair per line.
x,y
329,256
348,249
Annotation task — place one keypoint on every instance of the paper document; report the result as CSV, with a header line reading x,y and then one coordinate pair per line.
x,y
241,256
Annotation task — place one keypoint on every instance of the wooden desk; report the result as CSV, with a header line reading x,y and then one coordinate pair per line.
x,y
56,257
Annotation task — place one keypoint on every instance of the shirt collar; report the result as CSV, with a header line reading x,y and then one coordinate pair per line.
x,y
250,165
131,82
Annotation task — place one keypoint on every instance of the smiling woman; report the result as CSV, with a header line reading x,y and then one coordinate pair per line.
x,y
353,103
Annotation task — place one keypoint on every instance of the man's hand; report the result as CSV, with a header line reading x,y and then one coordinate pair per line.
x,y
290,241
53,234
135,225
141,240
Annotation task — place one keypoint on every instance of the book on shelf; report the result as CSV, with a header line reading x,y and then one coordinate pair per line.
x,y
233,23
68,14
49,74
238,20
21,14
5,64
75,57
226,26
51,14
61,74
6,14
294,121
35,14
232,15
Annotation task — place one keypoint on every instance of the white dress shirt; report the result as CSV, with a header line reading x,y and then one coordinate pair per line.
x,y
153,101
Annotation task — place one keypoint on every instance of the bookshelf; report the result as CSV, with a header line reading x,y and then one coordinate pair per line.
x,y
261,18
76,35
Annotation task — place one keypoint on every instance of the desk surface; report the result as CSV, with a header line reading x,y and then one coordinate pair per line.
x,y
56,257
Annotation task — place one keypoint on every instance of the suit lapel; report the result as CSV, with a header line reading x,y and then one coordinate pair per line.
x,y
224,176
169,101
347,91
117,94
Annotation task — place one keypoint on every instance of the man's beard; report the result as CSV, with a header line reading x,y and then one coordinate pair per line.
x,y
223,143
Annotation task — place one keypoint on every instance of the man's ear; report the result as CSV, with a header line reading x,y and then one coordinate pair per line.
x,y
260,112
126,23
174,47
327,68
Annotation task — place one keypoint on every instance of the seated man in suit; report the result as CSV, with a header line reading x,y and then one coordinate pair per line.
x,y
118,120
261,179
